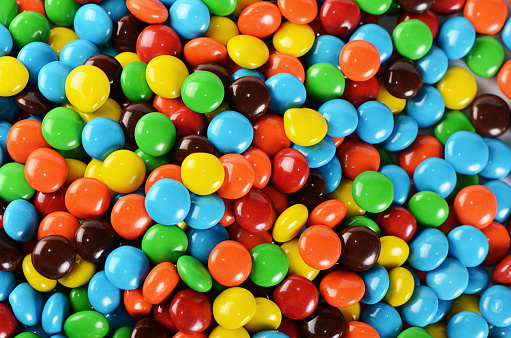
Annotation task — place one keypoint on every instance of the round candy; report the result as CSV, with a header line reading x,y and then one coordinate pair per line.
x,y
351,284
101,137
202,241
20,220
494,305
403,134
427,107
487,17
341,117
458,88
5,41
420,310
429,208
269,265
433,65
478,281
27,304
375,122
55,311
326,320
384,318
27,27
241,174
34,57
475,205
374,7
14,76
377,36
247,51
126,267
326,49
86,322
324,82
402,79
234,308
400,182
286,91
202,173
435,174
230,263
205,211
468,244
360,248
87,197
428,250
467,323
103,295
486,56
500,191
46,170
97,231
230,132
90,80
286,178
449,280
376,281
490,115
373,191
296,307
92,23
123,171
202,92
155,134
294,39
456,37
267,316
260,19
168,202
394,252
319,247
162,243
62,128
304,126
53,256
401,286
412,39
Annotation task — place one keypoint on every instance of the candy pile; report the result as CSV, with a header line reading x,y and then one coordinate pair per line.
x,y
227,169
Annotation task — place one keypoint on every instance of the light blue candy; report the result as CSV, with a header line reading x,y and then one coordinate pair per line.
x,y
506,34
21,220
400,182
375,122
119,318
4,131
54,313
27,304
376,281
52,81
202,242
499,161
435,174
478,280
378,37
6,41
332,173
168,202
247,72
444,306
340,116
205,211
502,192
433,65
449,280
495,305
428,249
456,37
427,107
466,152
270,334
7,284
499,332
404,133
93,23
319,154
326,49
103,295
421,308
384,318
286,92
114,8
467,324
468,245
126,267
101,137
230,132
76,52
35,56
189,18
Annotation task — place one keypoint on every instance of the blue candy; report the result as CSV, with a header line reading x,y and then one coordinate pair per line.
x,y
467,324
247,72
384,318
7,284
54,313
286,92
495,305
92,23
400,182
332,173
506,34
270,334
326,49
378,37
456,37
189,18
76,52
427,107
35,56
21,220
202,242
103,295
127,267
101,137
376,281
4,131
428,249
340,116
435,174
168,202
499,332
468,245
444,306
27,304
449,280
466,152
478,280
433,65
8,108
404,133
499,161
6,41
205,211
230,132
375,122
319,154
52,81
114,8
502,192
421,308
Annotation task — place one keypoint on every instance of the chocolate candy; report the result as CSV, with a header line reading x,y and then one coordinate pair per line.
x,y
130,116
402,79
31,101
490,115
250,96
360,248
125,33
53,256
325,322
188,145
110,66
11,252
415,6
94,239
148,327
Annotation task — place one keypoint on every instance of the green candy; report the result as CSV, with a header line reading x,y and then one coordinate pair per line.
x,y
452,122
61,12
220,7
134,83
385,158
8,11
414,332
412,39
486,56
361,221
13,184
324,82
123,332
28,27
77,153
162,243
394,8
375,7
463,181
155,134
194,274
202,92
27,335
86,324
428,208
373,191
79,299
269,265
152,162
62,128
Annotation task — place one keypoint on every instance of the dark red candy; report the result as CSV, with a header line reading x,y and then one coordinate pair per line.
x,y
502,272
415,6
358,92
190,311
46,203
31,101
290,170
188,145
11,252
94,239
247,238
254,212
490,115
8,322
402,79
125,32
188,122
339,17
53,256
296,297
161,312
130,117
397,221
218,70
250,96
289,327
448,6
360,248
110,66
148,327
312,193
156,40
325,322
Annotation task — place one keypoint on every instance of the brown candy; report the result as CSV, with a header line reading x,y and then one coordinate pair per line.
x,y
11,252
110,66
490,115
188,145
31,101
250,96
402,79
125,33
361,248
325,322
415,6
94,239
130,116
148,327
312,193
53,256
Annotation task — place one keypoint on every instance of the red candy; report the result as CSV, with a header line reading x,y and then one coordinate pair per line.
x,y
502,272
190,311
475,205
255,212
342,288
397,221
156,40
339,17
204,49
290,170
87,197
356,157
293,307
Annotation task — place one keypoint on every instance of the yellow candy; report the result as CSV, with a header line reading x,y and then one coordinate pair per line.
x,y
110,109
394,252
401,285
76,170
294,39
458,88
220,332
344,192
165,74
396,105
202,173
437,330
87,88
304,126
267,317
290,222
183,226
59,37
234,308
123,171
463,303
34,278
93,169
351,313
240,6
126,58
247,51
80,274
297,265
222,29
13,76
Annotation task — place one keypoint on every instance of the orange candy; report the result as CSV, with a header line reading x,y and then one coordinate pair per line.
x,y
356,156
201,50
283,63
239,176
260,19
356,329
58,223
46,170
228,217
487,16
499,242
149,11
269,134
261,164
129,217
342,288
160,282
31,5
135,303
422,148
320,247
359,60
299,11
330,213
504,79
23,138
475,205
167,106
165,171
87,197
230,263
279,199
